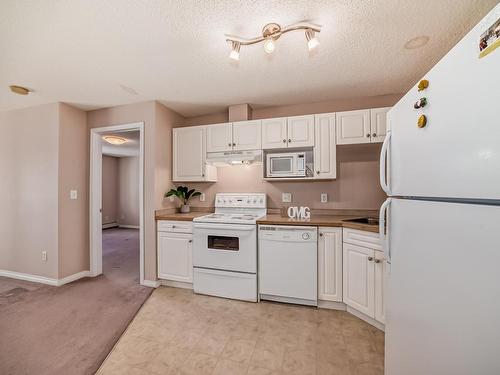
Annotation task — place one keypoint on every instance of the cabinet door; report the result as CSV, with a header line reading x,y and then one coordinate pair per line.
x,y
247,135
330,264
325,150
358,278
219,137
189,154
353,127
300,131
175,257
378,123
274,133
379,286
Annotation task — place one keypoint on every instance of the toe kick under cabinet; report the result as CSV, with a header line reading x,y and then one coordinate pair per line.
x,y
175,251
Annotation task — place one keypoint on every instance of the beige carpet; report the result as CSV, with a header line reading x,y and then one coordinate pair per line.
x,y
70,329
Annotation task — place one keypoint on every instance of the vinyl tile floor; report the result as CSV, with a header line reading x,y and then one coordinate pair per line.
x,y
179,332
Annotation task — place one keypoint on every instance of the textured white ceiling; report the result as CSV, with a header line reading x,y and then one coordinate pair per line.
x,y
94,53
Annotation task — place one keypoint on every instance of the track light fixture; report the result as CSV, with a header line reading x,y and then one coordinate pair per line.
x,y
270,33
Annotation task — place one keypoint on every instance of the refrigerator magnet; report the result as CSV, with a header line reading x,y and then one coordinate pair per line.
x,y
423,84
422,121
420,103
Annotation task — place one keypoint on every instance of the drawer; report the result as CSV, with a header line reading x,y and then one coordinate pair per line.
x,y
361,238
175,226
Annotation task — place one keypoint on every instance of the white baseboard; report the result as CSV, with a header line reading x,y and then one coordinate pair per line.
x,y
331,305
109,225
43,279
129,226
28,277
74,277
366,318
151,283
176,284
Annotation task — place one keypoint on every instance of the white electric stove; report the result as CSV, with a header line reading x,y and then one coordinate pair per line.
x,y
225,247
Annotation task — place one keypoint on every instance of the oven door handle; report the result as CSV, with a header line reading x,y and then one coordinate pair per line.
x,y
231,227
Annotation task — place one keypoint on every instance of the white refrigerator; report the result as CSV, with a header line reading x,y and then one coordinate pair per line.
x,y
442,218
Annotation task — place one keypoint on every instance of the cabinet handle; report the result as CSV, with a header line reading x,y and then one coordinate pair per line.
x,y
284,140
173,226
374,135
289,141
203,175
234,144
377,260
321,234
317,172
370,259
368,135
190,241
229,144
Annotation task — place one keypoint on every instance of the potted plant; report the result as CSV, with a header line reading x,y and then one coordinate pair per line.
x,y
184,194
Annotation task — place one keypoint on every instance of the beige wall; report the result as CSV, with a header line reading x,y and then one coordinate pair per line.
x,y
356,186
73,175
128,191
29,190
109,189
158,122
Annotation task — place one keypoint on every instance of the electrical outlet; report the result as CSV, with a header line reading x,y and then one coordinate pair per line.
x,y
73,194
286,197
324,198
202,197
44,256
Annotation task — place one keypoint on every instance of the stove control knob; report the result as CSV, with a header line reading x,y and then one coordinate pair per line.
x,y
306,236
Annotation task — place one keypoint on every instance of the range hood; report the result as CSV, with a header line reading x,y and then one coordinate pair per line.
x,y
220,159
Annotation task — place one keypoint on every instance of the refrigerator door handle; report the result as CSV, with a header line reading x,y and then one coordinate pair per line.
x,y
383,230
383,161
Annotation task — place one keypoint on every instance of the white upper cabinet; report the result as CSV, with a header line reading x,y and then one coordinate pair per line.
x,y
358,278
219,137
378,123
300,131
363,126
325,150
247,135
274,133
353,127
330,264
189,154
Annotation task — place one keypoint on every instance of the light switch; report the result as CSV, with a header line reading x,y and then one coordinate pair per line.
x,y
73,194
324,198
202,197
286,197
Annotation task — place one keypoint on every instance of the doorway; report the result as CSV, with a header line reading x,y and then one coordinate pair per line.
x,y
123,225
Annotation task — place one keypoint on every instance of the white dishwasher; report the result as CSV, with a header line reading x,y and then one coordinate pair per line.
x,y
288,264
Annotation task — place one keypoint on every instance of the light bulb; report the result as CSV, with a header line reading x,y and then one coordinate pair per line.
x,y
235,51
312,40
269,45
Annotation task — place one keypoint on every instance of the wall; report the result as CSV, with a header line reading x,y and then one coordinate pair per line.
x,y
109,189
128,212
357,184
73,175
158,122
29,190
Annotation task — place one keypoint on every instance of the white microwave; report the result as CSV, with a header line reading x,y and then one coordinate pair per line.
x,y
291,164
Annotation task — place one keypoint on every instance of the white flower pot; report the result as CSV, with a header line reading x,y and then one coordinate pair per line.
x,y
185,208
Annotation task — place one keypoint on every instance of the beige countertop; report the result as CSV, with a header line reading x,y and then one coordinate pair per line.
x,y
316,220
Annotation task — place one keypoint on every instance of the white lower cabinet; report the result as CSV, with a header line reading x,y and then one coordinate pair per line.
x,y
175,255
363,276
330,264
359,280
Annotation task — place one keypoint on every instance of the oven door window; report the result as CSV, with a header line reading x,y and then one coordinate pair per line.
x,y
223,243
281,165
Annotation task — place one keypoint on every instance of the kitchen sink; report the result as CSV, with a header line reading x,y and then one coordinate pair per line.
x,y
364,220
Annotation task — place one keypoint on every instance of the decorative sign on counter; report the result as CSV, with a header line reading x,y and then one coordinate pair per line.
x,y
490,39
301,213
